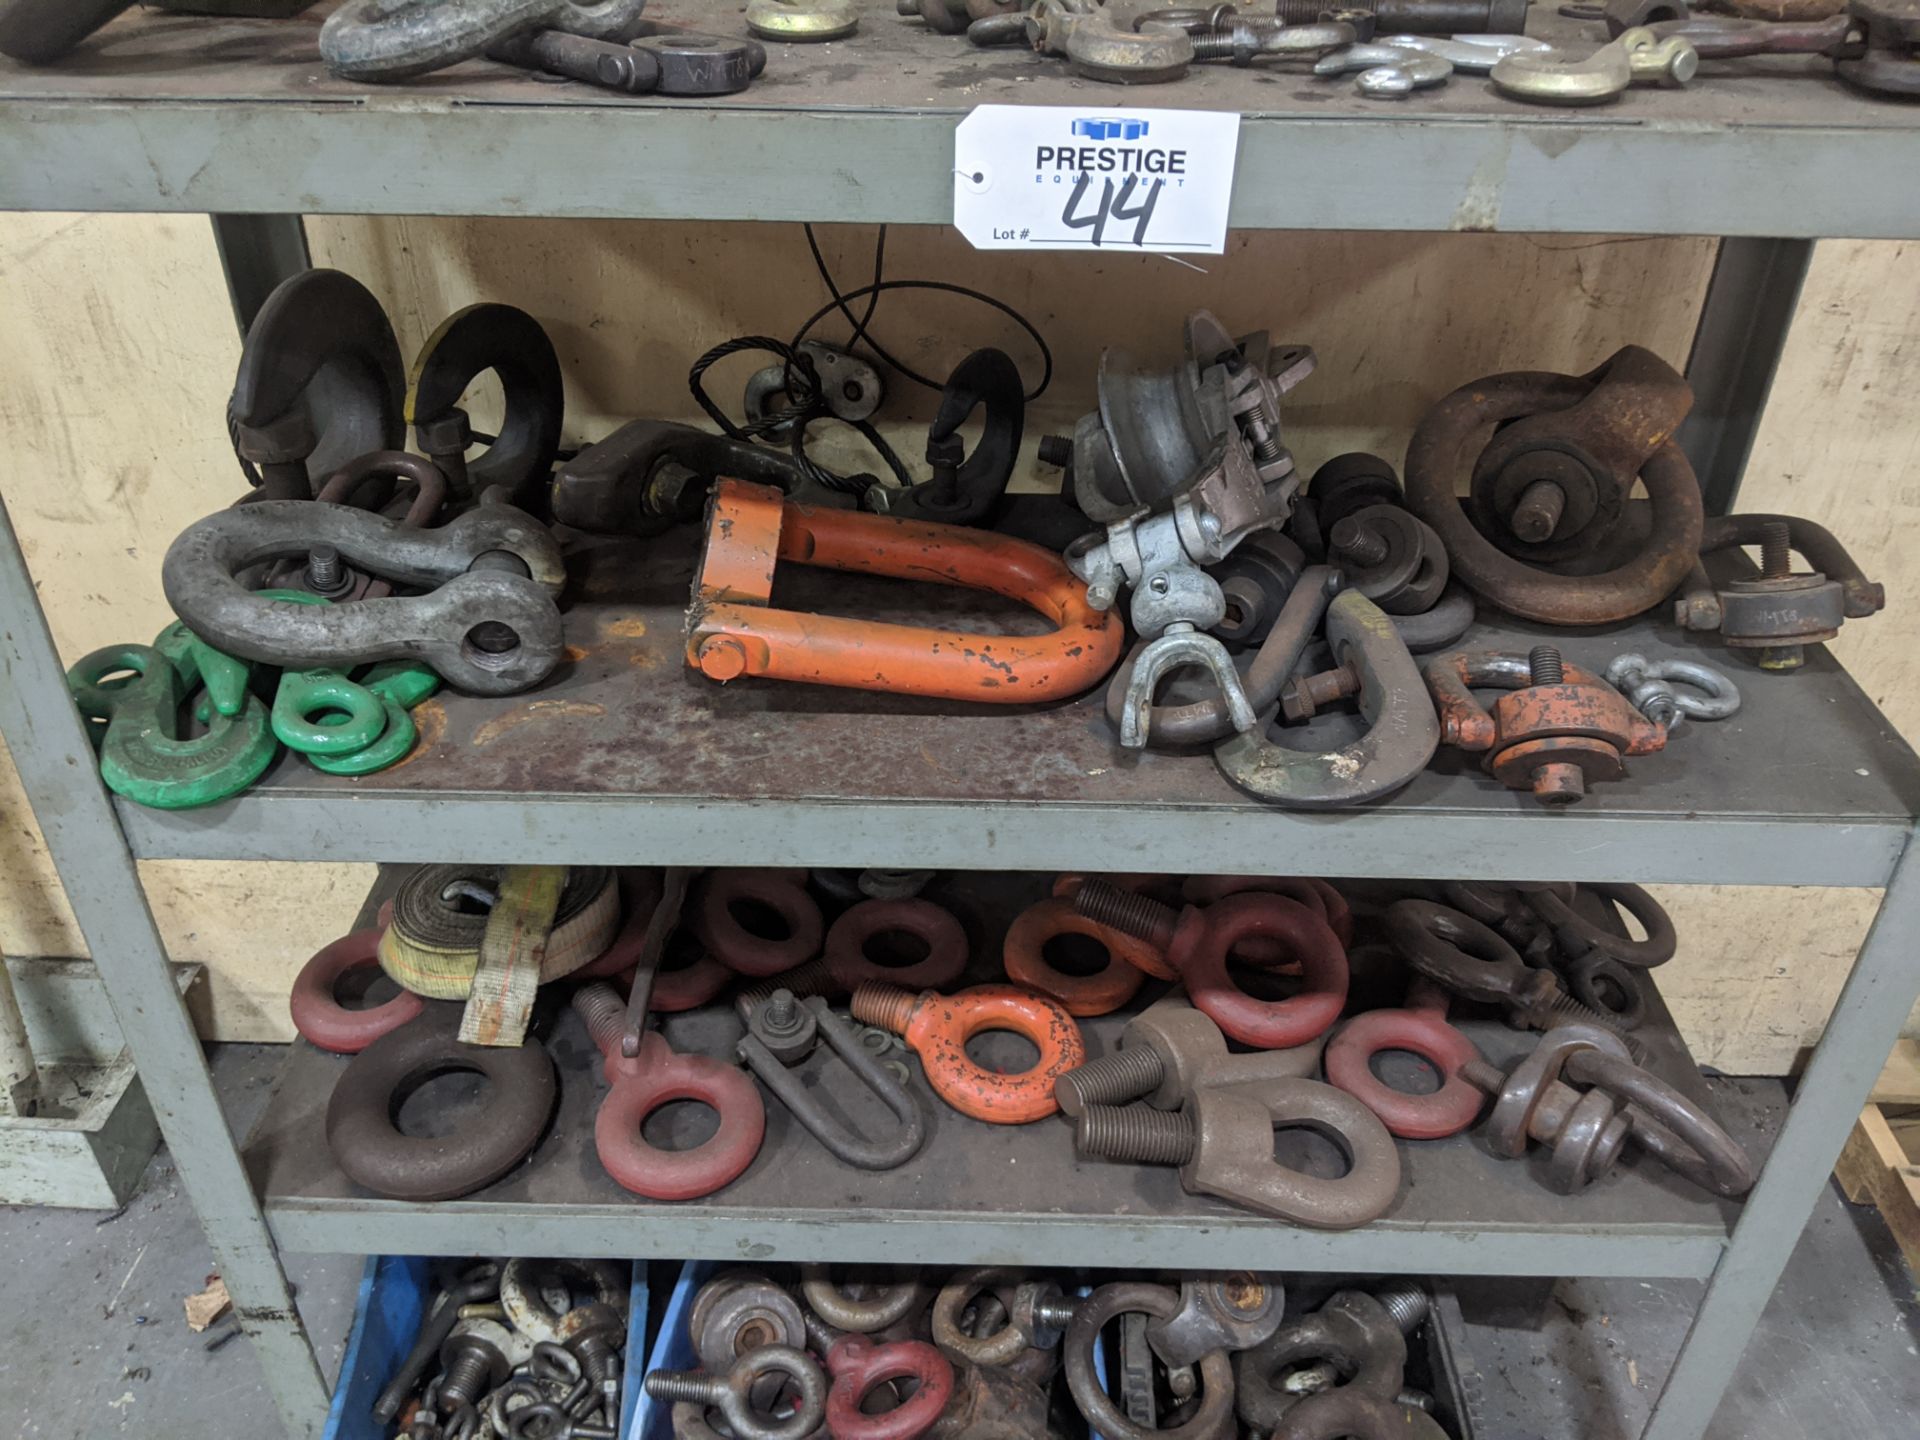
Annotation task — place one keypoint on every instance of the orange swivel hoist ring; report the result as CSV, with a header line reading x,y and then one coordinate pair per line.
x,y
1100,993
733,631
939,1026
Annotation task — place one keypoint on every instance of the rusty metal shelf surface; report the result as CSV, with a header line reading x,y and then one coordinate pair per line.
x,y
978,1193
169,112
627,756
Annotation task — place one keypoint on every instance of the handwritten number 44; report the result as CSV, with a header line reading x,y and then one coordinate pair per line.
x,y
1112,206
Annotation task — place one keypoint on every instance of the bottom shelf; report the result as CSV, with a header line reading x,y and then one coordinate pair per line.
x,y
976,1193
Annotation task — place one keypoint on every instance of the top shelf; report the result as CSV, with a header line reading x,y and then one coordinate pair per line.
x,y
185,113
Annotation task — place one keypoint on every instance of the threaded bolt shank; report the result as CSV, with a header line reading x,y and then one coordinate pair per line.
x,y
466,1379
1358,543
1546,666
606,1018
1058,1314
1140,916
1133,1132
1056,450
1776,550
1406,1305
1537,513
890,1007
1114,1079
684,1385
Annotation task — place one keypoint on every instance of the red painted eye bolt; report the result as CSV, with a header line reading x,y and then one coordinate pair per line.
x,y
322,1020
1421,1028
1316,894
1198,944
716,913
1099,993
846,948
656,1077
857,1365
938,1028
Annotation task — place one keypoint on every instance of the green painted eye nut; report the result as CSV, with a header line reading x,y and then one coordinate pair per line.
x,y
389,749
322,712
142,755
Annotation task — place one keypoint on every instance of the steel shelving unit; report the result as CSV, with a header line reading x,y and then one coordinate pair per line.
x,y
237,120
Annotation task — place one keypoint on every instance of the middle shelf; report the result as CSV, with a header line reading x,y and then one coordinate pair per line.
x,y
984,1194
626,756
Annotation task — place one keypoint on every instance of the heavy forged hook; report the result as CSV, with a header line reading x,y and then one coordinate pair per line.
x,y
143,756
1402,730
398,39
509,343
488,625
320,383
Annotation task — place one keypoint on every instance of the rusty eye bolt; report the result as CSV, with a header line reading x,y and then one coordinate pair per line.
x,y
1548,488
1560,729
1198,943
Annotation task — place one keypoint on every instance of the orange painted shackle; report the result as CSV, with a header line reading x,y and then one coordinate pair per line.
x,y
938,1028
733,631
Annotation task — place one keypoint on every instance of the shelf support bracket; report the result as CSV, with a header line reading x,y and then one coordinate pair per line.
x,y
55,759
257,252
1737,344
1866,1020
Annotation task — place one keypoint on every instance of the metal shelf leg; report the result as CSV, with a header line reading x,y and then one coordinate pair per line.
x,y
56,763
1749,307
1866,1020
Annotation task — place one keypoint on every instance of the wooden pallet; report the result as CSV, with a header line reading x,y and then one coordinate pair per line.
x,y
1877,1167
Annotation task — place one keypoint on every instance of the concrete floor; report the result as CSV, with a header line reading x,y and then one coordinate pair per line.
x,y
96,1343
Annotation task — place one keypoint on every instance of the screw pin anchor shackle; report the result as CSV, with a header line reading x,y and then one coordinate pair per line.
x,y
939,1026
733,631
781,1031
656,1077
1560,729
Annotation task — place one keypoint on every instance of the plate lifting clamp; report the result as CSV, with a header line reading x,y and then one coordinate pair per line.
x,y
733,631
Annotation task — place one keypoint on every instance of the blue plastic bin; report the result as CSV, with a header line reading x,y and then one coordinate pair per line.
x,y
673,1350
394,1294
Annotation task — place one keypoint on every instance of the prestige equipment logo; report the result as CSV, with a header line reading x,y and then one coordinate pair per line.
x,y
1103,128
1106,156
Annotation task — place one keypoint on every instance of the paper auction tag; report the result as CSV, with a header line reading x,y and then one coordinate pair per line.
x,y
1035,177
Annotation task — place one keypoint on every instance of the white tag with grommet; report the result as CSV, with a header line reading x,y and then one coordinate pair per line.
x,y
1034,177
